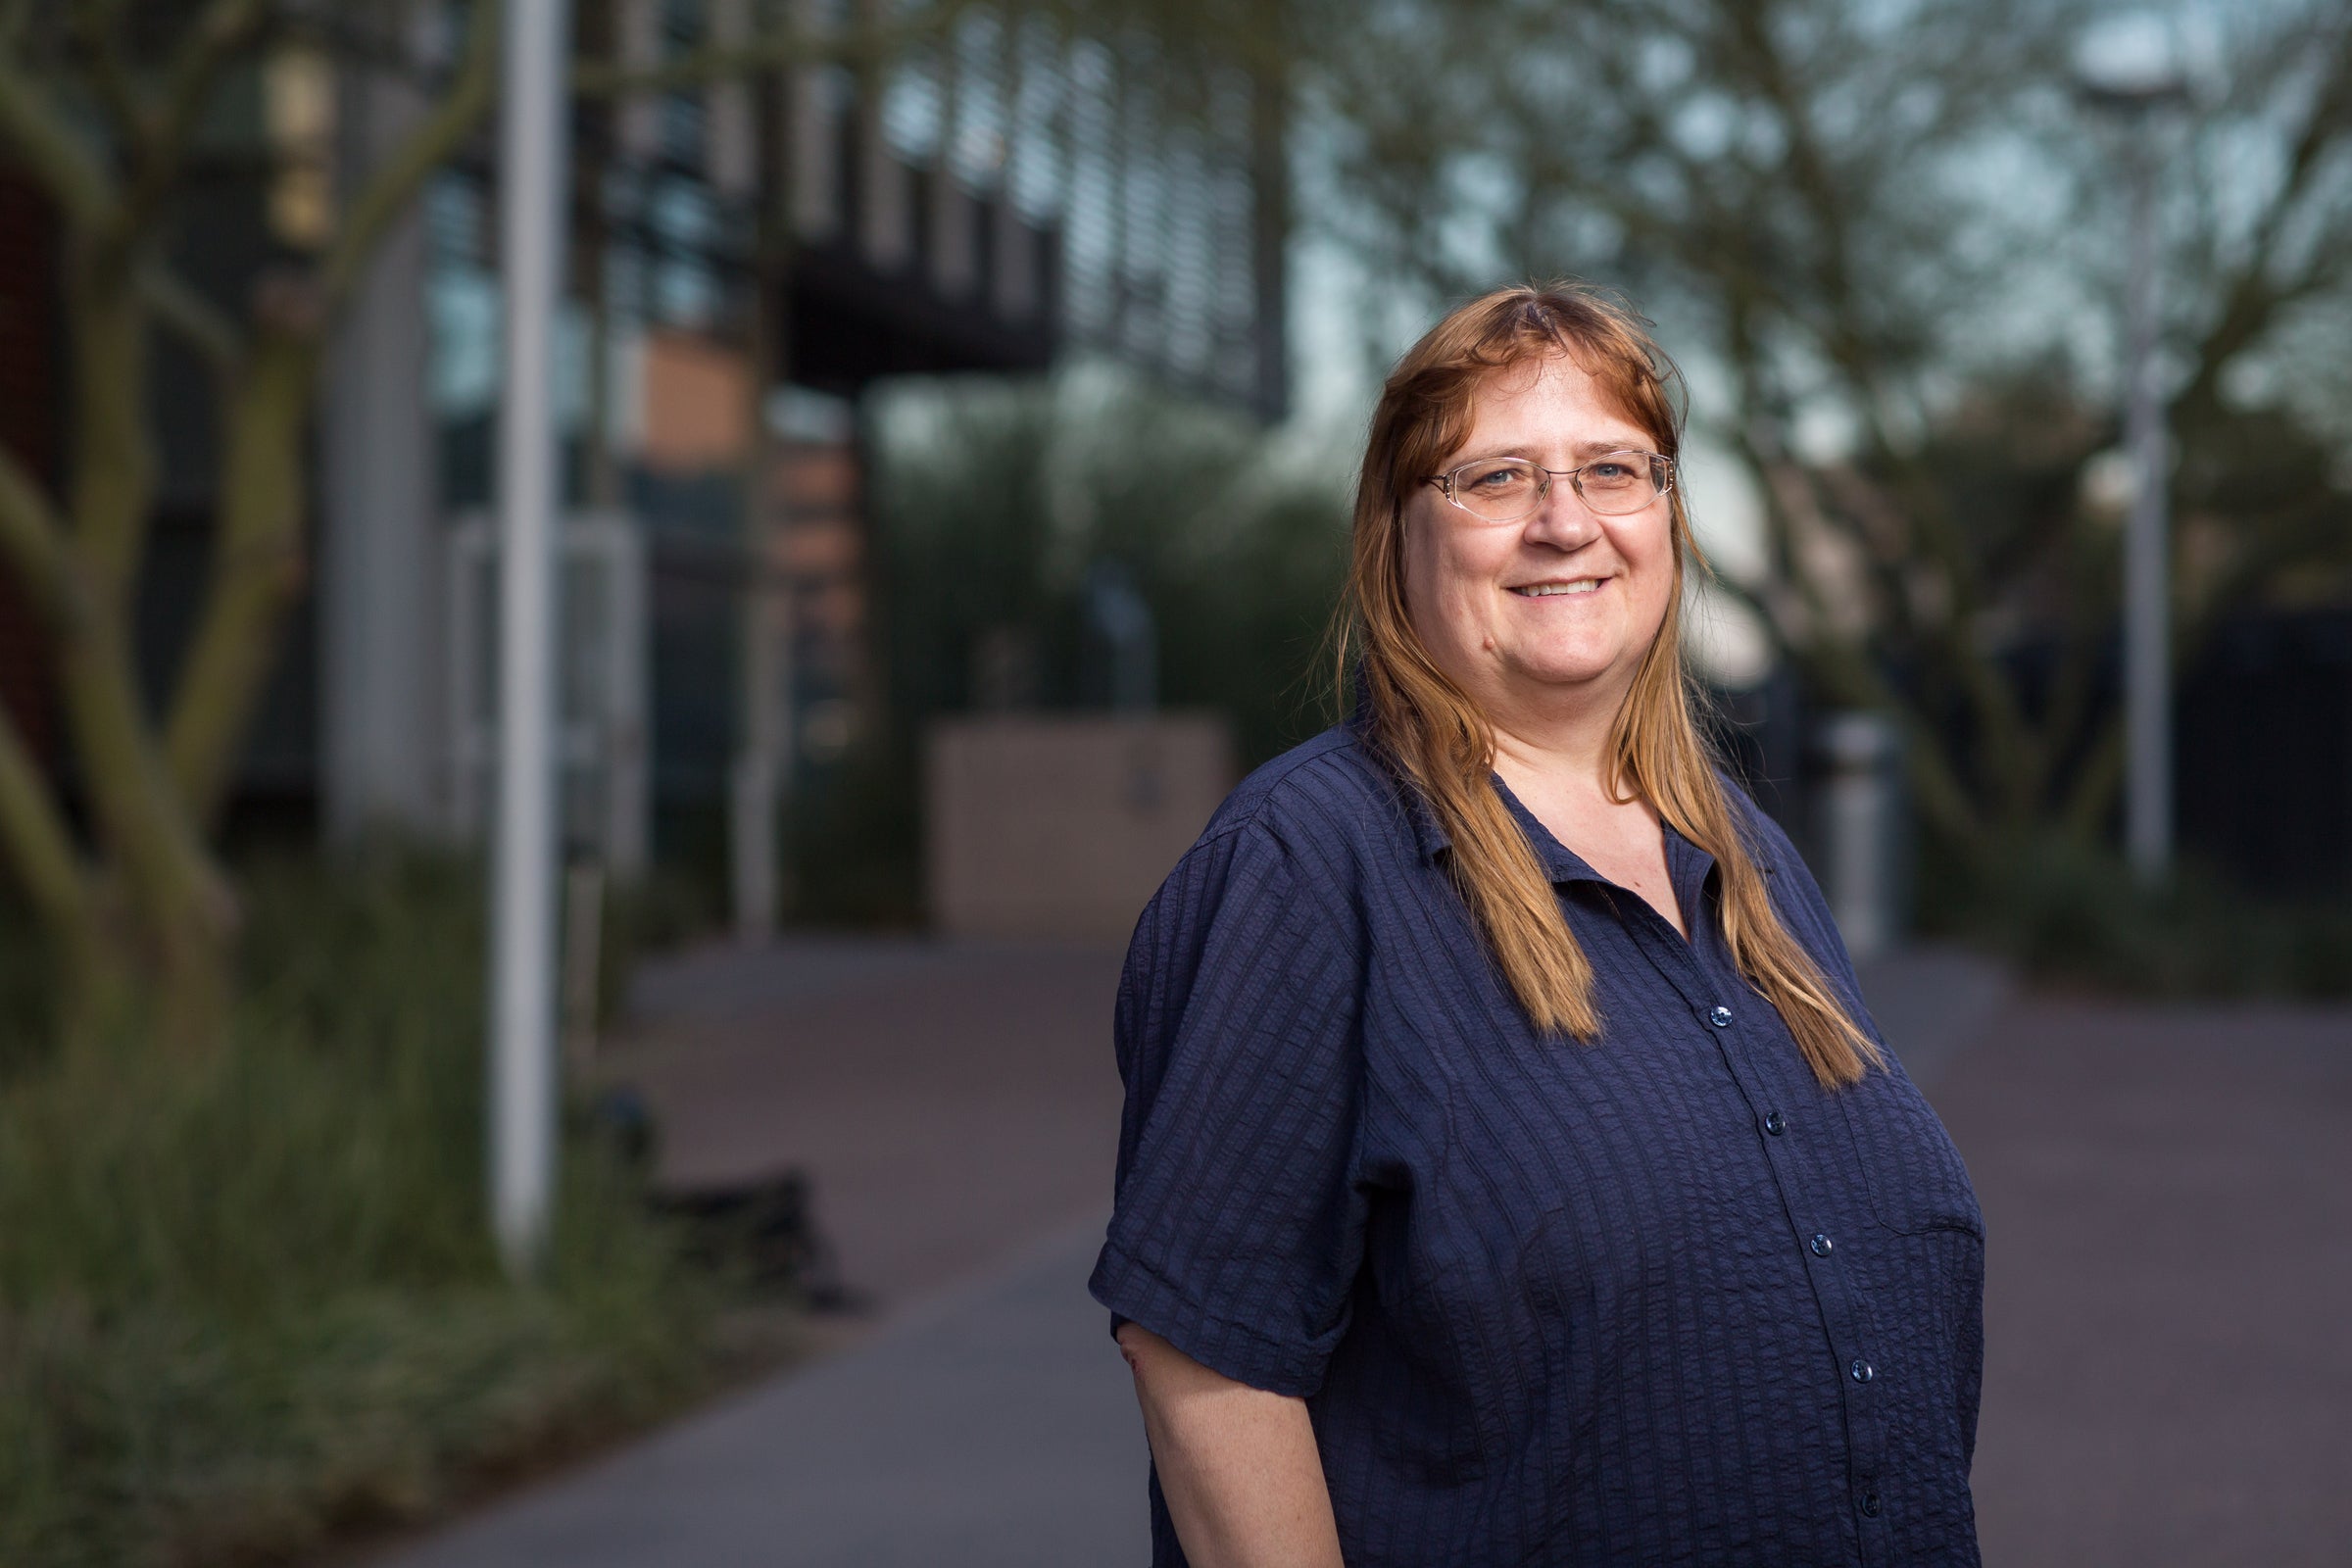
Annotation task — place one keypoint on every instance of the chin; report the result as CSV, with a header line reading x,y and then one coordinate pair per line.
x,y
1556,672
1575,662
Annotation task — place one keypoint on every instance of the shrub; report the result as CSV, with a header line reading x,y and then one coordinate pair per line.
x,y
2067,911
248,1304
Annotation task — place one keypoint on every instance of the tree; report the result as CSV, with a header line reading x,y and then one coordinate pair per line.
x,y
114,109
1875,233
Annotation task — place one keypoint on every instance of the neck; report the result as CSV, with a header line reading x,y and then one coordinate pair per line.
x,y
1558,737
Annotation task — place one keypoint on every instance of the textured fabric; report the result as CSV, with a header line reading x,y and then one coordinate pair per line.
x,y
1547,1303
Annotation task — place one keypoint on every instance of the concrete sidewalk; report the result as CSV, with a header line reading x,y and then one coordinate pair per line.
x,y
956,1108
991,1427
2167,1194
2167,1314
952,1101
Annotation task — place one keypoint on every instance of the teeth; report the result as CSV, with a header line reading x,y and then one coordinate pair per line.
x,y
1545,590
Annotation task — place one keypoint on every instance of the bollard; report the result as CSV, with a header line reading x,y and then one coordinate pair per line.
x,y
1859,828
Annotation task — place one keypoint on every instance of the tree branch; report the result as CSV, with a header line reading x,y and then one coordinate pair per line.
x,y
211,45
165,134
32,539
94,23
2253,299
256,568
1846,671
47,148
112,452
33,835
2094,794
396,181
194,320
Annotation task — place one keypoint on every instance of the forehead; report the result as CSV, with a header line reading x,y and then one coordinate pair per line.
x,y
1549,402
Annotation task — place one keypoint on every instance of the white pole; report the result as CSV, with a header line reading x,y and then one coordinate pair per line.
x,y
2147,596
532,182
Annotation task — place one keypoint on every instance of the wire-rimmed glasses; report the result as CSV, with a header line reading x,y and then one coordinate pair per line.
x,y
1507,489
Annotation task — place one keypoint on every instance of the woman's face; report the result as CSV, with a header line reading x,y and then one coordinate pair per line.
x,y
1563,603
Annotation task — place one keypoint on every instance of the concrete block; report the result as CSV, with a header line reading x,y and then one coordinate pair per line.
x,y
1062,825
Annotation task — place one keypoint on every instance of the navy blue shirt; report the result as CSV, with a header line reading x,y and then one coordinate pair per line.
x,y
1660,1298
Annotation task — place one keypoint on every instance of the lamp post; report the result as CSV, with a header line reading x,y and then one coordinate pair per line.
x,y
2128,69
532,213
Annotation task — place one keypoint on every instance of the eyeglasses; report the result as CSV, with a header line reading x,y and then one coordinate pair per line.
x,y
1507,489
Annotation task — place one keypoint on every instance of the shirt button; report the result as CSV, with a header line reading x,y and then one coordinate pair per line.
x,y
1776,1124
1870,1504
1821,1246
1862,1370
1721,1017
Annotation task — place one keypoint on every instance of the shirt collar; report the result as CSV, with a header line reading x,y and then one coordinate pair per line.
x,y
1560,864
1687,864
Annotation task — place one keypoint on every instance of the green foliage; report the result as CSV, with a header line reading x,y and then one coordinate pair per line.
x,y
2070,912
667,907
994,500
247,1300
26,1024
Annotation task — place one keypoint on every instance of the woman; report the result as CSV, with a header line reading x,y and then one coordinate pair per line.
x,y
1509,1172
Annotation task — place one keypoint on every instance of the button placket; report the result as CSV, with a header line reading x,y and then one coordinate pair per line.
x,y
1840,1312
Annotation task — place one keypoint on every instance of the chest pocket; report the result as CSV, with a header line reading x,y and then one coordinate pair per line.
x,y
1913,1174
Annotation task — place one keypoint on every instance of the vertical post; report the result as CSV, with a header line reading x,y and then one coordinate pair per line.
x,y
2147,606
1270,241
763,760
531,183
1859,826
380,720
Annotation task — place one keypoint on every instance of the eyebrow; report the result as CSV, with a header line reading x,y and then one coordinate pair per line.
x,y
1582,451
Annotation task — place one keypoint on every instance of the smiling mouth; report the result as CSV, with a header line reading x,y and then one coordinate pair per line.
x,y
1546,589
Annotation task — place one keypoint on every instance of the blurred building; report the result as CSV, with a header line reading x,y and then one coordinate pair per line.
x,y
751,255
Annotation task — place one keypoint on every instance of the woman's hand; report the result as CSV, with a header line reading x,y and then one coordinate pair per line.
x,y
1238,1465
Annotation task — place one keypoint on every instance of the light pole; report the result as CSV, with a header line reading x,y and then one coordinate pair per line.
x,y
2129,70
532,175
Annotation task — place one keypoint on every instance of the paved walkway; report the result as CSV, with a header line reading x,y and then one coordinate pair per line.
x,y
991,1427
2167,1195
2170,1379
952,1101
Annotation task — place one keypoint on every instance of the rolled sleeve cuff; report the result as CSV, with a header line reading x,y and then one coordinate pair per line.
x,y
1135,1293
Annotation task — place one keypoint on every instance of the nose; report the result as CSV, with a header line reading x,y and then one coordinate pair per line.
x,y
1562,518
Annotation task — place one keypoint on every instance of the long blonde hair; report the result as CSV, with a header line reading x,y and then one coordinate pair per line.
x,y
1427,728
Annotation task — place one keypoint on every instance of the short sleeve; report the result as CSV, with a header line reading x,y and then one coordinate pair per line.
x,y
1238,1230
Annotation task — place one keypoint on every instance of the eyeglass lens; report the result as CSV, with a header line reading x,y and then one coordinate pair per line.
x,y
1507,489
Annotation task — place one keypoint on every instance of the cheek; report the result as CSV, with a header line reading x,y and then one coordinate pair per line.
x,y
1449,596
1649,550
